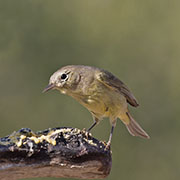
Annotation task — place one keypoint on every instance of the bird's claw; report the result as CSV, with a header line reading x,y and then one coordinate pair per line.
x,y
108,146
86,132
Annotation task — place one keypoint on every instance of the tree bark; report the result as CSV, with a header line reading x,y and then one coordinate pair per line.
x,y
58,152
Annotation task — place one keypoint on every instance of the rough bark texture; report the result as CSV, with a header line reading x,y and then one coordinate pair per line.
x,y
59,152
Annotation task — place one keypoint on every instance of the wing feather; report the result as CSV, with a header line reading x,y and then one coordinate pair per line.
x,y
112,82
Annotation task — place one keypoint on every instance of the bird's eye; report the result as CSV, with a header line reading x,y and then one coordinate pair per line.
x,y
64,76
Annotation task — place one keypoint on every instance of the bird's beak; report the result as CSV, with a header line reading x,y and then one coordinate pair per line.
x,y
49,87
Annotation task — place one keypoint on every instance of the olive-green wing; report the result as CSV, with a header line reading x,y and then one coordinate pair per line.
x,y
112,82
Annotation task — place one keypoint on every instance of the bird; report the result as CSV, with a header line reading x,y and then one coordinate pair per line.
x,y
101,92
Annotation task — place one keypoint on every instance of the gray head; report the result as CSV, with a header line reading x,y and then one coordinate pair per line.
x,y
66,79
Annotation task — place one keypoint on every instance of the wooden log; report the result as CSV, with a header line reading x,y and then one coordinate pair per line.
x,y
59,152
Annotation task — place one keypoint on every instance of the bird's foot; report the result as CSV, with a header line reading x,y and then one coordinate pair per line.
x,y
86,133
108,146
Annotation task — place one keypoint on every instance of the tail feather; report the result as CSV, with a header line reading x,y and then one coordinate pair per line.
x,y
135,129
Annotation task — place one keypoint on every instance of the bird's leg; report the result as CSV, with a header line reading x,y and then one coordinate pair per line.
x,y
92,126
110,137
96,120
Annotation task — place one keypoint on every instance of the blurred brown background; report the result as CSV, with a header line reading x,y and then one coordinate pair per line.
x,y
138,41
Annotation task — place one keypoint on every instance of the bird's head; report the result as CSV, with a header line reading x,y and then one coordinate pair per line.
x,y
65,79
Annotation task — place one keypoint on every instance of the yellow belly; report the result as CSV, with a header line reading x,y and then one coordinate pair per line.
x,y
102,102
107,104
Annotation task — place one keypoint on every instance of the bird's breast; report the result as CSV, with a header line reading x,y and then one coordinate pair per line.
x,y
101,100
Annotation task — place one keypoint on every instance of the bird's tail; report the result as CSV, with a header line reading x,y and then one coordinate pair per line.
x,y
134,128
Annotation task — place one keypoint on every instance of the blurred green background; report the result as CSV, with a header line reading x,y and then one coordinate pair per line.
x,y
137,40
